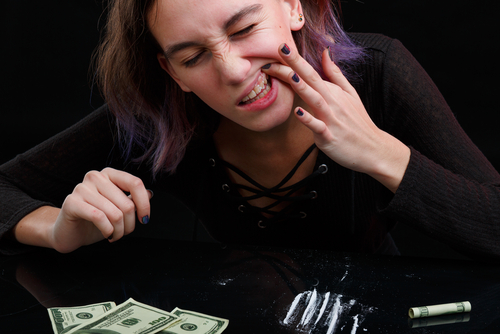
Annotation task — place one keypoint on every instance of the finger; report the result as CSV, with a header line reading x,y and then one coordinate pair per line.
x,y
89,194
112,200
308,95
317,126
334,74
73,207
293,59
134,185
279,71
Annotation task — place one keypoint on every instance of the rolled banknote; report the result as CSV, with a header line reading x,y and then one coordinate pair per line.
x,y
196,323
433,310
130,317
64,319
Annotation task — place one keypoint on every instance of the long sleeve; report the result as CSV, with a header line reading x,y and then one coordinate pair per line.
x,y
450,190
47,173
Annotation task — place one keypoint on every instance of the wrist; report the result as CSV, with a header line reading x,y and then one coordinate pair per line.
x,y
391,167
36,228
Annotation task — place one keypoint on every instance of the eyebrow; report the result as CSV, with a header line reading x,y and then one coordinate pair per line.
x,y
170,50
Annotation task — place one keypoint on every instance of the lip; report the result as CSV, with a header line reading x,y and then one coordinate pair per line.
x,y
264,102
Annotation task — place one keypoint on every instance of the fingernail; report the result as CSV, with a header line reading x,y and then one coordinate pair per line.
x,y
110,237
267,66
330,53
145,220
285,49
300,112
295,77
151,192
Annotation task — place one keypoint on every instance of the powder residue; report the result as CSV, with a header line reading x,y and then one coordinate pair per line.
x,y
355,325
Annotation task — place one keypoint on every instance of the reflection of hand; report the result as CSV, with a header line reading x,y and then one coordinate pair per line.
x,y
342,128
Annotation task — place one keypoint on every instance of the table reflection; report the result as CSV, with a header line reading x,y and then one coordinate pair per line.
x,y
258,289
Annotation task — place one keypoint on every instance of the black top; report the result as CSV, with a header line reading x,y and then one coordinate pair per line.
x,y
449,190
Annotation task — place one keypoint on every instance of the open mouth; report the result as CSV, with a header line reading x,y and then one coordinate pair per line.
x,y
260,90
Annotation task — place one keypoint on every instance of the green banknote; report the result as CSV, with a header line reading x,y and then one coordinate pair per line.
x,y
196,323
64,319
131,317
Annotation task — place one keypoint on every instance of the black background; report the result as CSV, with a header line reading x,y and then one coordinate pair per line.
x,y
47,46
46,49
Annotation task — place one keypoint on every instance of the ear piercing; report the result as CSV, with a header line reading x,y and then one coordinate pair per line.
x,y
301,17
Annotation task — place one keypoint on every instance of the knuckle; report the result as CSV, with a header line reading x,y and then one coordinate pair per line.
x,y
97,215
128,207
318,103
92,176
115,216
108,170
136,182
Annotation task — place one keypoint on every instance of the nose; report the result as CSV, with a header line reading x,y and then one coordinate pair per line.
x,y
232,67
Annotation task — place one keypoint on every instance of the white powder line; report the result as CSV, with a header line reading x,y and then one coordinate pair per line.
x,y
355,325
337,309
310,309
292,308
344,275
323,307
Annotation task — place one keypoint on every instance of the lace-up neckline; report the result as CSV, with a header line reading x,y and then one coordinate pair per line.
x,y
278,193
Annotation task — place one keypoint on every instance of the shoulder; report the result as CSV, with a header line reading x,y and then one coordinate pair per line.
x,y
385,57
372,42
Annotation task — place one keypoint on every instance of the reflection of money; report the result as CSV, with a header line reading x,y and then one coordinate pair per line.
x,y
439,320
433,310
196,323
65,318
131,317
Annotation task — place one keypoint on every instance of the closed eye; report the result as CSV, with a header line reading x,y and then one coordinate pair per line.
x,y
192,61
243,31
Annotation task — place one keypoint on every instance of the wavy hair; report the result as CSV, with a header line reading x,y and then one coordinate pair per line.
x,y
156,120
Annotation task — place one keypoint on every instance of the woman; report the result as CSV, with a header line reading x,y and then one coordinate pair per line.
x,y
237,109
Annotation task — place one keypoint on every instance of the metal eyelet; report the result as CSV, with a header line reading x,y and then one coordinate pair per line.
x,y
242,208
226,187
315,194
303,214
325,167
212,162
261,224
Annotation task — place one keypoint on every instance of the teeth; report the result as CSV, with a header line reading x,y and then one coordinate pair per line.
x,y
258,92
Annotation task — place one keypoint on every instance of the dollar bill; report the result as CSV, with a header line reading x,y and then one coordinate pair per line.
x,y
196,323
64,319
130,317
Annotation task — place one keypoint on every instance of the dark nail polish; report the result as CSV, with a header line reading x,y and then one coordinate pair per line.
x,y
285,49
110,237
330,53
145,220
300,112
151,192
295,77
267,66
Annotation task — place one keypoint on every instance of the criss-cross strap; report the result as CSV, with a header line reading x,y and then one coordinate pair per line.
x,y
278,193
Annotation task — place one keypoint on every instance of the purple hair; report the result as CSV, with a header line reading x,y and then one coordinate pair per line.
x,y
155,118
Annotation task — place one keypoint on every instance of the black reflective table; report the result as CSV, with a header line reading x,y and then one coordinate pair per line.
x,y
259,290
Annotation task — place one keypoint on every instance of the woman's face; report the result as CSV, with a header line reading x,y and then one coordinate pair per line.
x,y
216,48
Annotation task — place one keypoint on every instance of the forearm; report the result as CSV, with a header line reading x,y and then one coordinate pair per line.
x,y
35,229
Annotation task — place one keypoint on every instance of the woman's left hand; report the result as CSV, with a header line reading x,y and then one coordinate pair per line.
x,y
342,128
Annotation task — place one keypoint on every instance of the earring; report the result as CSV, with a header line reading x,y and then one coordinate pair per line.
x,y
301,17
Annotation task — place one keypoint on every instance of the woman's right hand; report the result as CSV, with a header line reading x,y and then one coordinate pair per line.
x,y
99,208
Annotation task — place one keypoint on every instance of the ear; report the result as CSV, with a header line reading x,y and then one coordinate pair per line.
x,y
167,67
297,20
